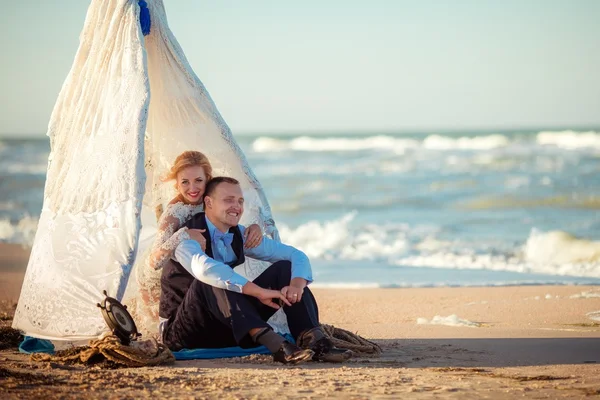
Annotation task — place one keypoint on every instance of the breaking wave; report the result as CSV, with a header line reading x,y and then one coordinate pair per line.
x,y
399,144
570,139
22,232
551,253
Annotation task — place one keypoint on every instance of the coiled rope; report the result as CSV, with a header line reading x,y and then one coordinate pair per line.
x,y
344,339
108,347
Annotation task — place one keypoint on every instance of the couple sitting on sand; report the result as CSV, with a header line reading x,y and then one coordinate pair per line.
x,y
204,303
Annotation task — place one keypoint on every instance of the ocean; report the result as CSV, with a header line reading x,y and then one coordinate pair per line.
x,y
403,210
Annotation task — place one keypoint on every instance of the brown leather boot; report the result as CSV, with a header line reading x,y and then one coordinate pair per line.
x,y
316,340
289,353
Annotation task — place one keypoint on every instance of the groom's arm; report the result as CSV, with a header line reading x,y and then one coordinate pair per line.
x,y
210,271
273,251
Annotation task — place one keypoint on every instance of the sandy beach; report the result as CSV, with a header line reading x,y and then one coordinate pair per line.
x,y
501,342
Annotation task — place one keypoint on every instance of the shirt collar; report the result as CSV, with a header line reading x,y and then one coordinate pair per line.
x,y
211,228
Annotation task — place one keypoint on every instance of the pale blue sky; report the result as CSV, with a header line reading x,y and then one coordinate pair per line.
x,y
319,65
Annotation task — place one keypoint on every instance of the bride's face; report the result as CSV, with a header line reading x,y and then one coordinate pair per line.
x,y
191,182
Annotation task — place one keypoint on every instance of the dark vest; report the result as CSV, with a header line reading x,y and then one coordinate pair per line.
x,y
175,280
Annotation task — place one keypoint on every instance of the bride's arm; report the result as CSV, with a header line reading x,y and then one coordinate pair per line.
x,y
170,234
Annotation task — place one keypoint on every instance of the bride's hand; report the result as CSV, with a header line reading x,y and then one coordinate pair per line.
x,y
252,236
196,234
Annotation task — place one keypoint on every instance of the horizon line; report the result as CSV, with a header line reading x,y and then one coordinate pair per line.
x,y
372,131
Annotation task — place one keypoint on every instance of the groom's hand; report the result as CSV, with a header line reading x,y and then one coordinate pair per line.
x,y
266,296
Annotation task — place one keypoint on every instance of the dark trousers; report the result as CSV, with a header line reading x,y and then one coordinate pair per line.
x,y
210,317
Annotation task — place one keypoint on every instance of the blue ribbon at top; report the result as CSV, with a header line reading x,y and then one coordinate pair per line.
x,y
144,17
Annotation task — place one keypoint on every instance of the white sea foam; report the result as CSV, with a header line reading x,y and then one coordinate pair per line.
x,y
6,230
564,329
548,296
474,303
346,285
22,232
335,240
24,168
563,139
451,320
594,315
551,253
403,245
437,142
586,295
516,182
467,259
387,143
305,143
558,247
570,139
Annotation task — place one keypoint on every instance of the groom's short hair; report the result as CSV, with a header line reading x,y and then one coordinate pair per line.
x,y
212,184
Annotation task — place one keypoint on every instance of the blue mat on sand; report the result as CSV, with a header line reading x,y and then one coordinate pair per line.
x,y
34,345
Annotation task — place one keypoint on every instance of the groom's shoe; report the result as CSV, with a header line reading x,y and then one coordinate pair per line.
x,y
316,340
289,353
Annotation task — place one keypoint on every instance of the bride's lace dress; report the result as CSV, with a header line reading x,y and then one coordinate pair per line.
x,y
129,106
171,232
144,305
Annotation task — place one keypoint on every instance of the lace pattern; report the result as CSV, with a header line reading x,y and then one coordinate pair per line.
x,y
89,225
68,270
144,305
170,232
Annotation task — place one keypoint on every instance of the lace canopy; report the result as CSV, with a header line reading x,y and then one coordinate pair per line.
x,y
130,104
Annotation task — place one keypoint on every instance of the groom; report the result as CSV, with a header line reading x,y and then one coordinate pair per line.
x,y
205,304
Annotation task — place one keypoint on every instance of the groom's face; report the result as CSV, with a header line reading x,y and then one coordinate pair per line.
x,y
226,204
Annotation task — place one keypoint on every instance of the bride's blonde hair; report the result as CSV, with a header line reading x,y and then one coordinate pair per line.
x,y
189,159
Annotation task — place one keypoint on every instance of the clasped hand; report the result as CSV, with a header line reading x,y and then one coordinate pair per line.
x,y
288,295
292,294
267,296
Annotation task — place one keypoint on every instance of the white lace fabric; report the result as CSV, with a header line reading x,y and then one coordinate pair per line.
x,y
170,232
128,107
144,303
